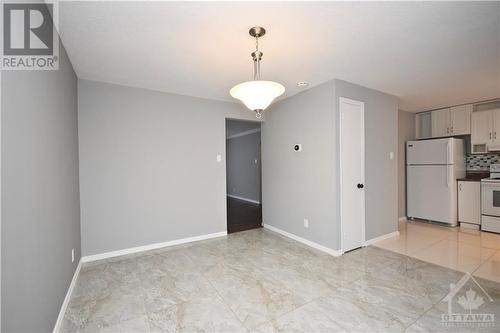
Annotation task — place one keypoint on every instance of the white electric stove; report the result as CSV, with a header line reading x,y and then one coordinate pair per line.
x,y
490,200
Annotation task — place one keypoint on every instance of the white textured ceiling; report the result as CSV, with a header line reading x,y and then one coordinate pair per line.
x,y
429,54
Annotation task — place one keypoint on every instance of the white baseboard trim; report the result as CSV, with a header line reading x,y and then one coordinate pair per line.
x,y
64,306
317,246
244,199
402,218
379,238
154,246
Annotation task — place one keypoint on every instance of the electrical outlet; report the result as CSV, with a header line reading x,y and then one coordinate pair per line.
x,y
72,255
306,223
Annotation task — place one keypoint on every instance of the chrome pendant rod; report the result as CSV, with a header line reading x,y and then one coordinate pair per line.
x,y
257,55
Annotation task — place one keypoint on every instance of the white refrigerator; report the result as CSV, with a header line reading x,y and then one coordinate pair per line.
x,y
432,170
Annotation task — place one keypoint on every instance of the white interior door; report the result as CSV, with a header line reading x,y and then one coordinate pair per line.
x,y
352,170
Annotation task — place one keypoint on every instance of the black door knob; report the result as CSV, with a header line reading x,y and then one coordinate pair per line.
x,y
361,185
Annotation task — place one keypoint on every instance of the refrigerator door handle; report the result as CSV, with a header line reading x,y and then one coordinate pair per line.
x,y
448,146
447,176
448,152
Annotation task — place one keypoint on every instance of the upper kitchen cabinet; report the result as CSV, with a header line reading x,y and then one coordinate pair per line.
x,y
440,123
485,131
460,119
481,128
452,121
495,133
423,123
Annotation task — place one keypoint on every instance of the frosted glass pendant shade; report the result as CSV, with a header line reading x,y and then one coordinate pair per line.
x,y
257,95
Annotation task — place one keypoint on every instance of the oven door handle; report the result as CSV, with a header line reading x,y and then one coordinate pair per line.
x,y
490,186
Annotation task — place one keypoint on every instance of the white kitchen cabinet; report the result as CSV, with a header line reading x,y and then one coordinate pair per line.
x,y
481,127
460,119
495,133
469,202
451,121
423,124
440,123
485,131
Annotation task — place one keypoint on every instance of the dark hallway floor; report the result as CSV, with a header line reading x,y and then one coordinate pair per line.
x,y
243,215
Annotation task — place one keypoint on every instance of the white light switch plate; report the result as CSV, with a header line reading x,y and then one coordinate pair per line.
x,y
391,155
306,223
219,158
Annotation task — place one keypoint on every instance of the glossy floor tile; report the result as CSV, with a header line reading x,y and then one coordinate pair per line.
x,y
259,281
456,255
490,269
475,308
409,243
460,249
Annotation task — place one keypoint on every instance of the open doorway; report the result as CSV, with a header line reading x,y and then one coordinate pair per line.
x,y
243,175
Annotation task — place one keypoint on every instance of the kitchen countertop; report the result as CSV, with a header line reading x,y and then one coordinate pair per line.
x,y
474,176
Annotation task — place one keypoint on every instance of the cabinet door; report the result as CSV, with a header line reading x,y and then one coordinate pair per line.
x,y
481,127
441,123
496,126
469,204
423,124
460,119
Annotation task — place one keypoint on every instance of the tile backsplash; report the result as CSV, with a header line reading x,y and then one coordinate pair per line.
x,y
481,162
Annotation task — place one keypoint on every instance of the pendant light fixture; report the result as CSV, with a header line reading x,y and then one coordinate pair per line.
x,y
257,95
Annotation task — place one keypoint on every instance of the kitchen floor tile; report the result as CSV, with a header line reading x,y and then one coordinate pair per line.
x,y
455,255
461,249
478,238
490,269
408,243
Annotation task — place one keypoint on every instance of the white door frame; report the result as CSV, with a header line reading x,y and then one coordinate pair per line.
x,y
363,227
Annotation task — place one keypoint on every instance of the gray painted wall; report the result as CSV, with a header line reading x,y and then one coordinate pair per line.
x,y
406,132
41,215
243,174
148,168
381,138
305,185
299,185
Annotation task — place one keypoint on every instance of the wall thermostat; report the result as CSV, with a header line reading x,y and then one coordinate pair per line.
x,y
297,147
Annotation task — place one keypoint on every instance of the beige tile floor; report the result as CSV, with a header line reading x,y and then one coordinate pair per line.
x,y
464,250
259,281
